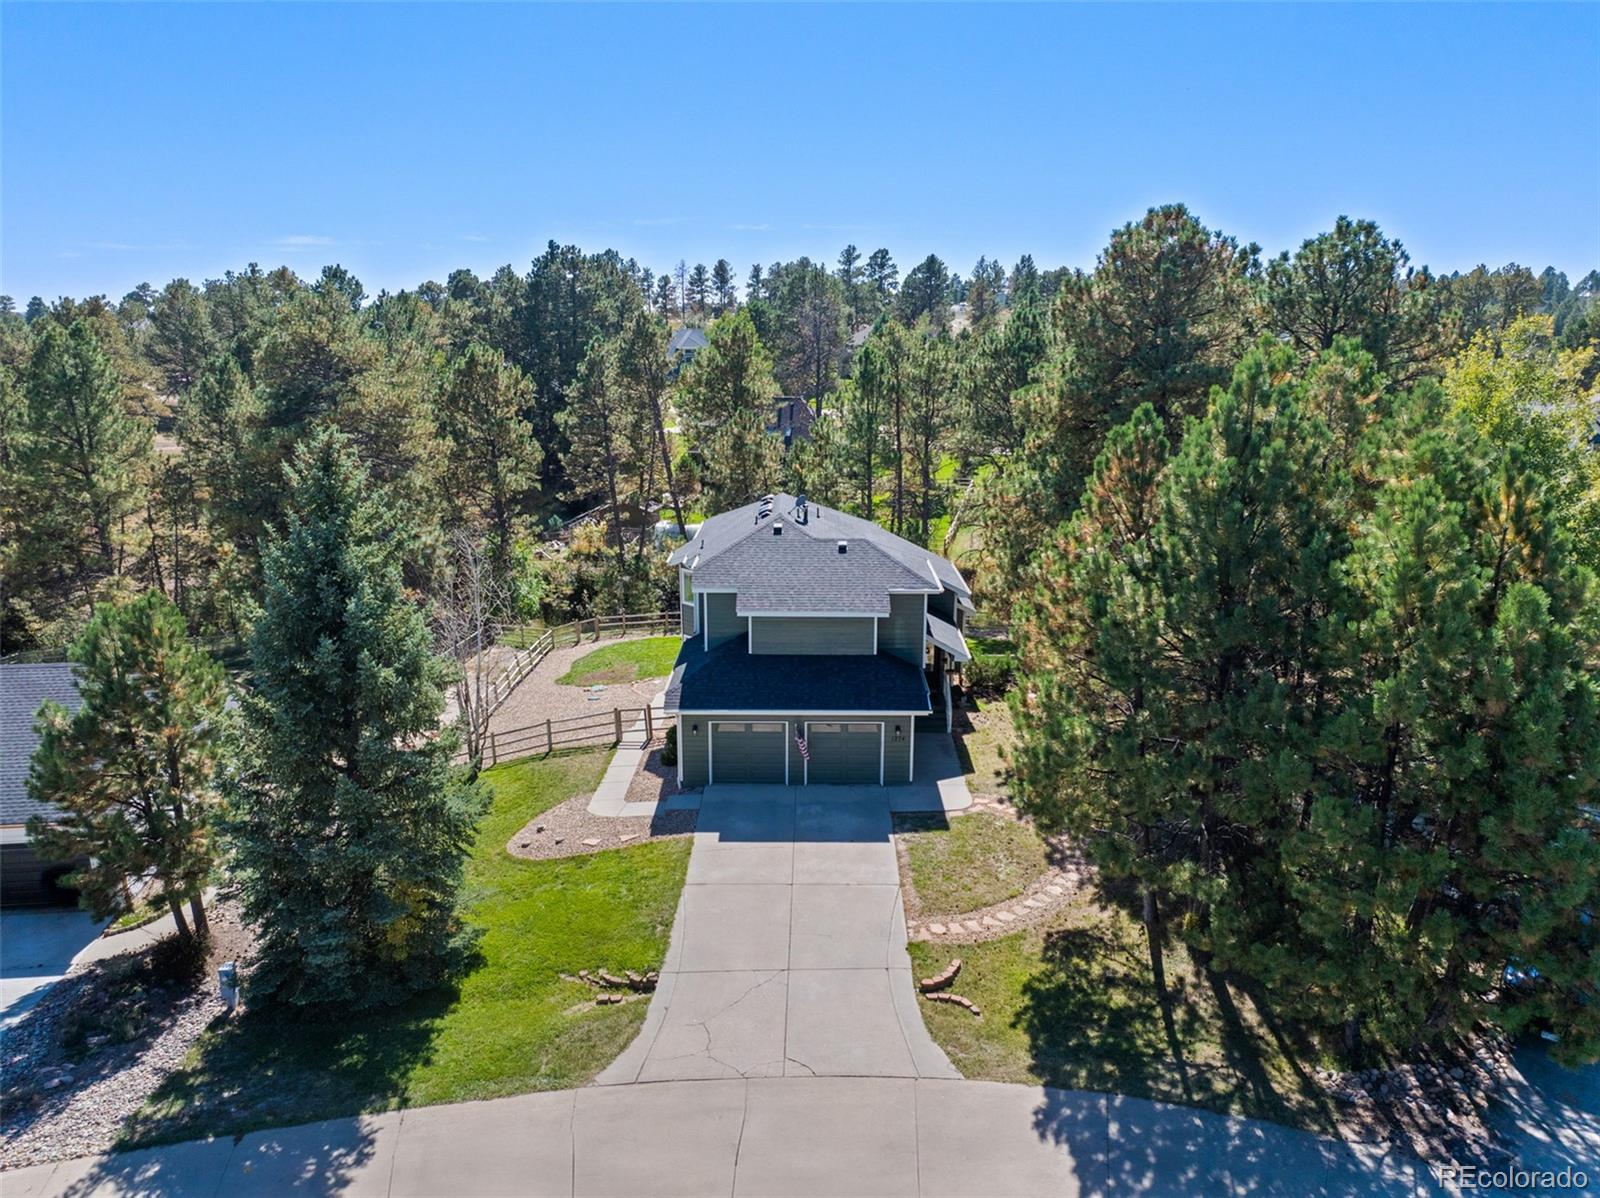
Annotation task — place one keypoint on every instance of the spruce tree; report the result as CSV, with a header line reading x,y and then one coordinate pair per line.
x,y
133,770
348,824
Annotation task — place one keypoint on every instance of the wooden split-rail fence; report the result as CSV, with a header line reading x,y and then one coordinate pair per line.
x,y
544,642
601,728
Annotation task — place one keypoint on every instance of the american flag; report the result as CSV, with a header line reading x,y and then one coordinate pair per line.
x,y
805,750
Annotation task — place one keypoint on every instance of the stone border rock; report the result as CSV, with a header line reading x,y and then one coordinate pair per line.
x,y
1066,876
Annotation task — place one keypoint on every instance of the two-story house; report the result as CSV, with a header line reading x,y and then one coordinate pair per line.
x,y
816,645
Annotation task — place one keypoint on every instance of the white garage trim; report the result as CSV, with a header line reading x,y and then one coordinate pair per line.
x,y
681,750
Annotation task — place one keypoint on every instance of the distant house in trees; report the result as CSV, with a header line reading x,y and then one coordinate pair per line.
x,y
685,344
791,420
24,878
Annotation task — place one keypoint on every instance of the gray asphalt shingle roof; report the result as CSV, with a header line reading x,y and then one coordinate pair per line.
x,y
795,573
731,678
22,689
802,570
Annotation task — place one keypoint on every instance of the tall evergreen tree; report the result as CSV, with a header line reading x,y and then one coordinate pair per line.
x,y
182,339
881,412
77,480
1351,282
348,826
133,770
493,458
725,397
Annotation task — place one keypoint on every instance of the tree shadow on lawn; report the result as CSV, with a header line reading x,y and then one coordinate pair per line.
x,y
265,1069
1094,1022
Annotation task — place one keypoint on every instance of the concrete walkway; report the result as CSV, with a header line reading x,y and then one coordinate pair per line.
x,y
788,951
610,798
825,1137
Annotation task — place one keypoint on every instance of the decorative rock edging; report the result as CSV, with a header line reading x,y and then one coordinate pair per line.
x,y
941,979
1042,898
955,1000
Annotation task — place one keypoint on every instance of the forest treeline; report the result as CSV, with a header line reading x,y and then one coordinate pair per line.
x,y
1298,553
142,441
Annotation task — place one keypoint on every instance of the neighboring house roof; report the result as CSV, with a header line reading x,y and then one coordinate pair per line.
x,y
765,568
729,677
792,419
22,689
687,340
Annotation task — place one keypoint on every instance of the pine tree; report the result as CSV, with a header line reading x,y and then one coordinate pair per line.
x,y
133,770
1188,730
77,481
182,340
930,386
348,825
881,392
725,397
599,448
493,458
722,286
699,289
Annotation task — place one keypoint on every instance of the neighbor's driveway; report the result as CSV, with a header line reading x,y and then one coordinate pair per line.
x,y
37,946
788,953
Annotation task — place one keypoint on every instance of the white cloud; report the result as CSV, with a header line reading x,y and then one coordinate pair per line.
x,y
761,228
297,241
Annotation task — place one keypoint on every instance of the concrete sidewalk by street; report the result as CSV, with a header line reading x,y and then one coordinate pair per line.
x,y
829,1137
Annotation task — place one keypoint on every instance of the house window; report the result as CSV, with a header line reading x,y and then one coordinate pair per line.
x,y
685,586
766,727
873,728
826,727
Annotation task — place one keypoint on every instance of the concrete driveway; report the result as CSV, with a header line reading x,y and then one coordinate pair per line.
x,y
788,953
37,947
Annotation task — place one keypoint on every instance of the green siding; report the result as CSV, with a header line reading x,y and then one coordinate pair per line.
x,y
823,635
723,622
943,605
901,632
686,618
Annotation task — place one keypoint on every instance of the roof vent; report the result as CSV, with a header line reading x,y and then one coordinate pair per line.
x,y
844,546
777,528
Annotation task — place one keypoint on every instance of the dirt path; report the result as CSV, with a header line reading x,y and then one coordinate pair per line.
x,y
539,697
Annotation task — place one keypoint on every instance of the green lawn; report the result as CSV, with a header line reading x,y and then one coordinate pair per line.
x,y
978,860
511,1025
625,661
1073,1006
983,737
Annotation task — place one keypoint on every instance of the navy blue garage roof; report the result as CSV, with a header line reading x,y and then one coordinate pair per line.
x,y
731,678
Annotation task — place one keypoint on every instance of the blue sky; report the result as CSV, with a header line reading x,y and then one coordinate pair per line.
x,y
141,143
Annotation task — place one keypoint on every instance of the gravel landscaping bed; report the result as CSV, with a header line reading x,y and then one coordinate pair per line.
x,y
568,830
98,1044
539,697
